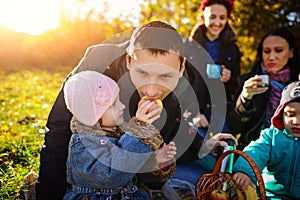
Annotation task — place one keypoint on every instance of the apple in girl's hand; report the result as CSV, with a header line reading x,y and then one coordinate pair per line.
x,y
219,195
156,102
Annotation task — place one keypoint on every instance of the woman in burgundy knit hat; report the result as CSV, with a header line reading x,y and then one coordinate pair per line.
x,y
212,41
218,38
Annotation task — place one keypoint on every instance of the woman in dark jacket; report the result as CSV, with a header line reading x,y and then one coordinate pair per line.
x,y
257,100
211,41
217,37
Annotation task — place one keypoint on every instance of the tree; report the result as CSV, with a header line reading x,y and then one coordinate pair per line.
x,y
252,19
180,14
66,44
255,17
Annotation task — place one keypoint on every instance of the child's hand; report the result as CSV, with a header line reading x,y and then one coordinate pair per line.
x,y
144,113
166,153
242,180
215,142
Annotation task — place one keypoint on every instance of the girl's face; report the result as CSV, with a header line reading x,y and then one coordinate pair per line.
x,y
291,118
275,53
114,115
215,19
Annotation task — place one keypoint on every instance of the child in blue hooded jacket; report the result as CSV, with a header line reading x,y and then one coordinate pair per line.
x,y
277,151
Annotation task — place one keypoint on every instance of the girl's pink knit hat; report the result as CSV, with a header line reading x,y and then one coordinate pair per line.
x,y
89,94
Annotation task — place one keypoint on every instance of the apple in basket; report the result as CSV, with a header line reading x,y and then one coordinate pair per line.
x,y
157,102
218,195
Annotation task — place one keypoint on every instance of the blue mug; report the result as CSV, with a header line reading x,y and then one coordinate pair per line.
x,y
214,71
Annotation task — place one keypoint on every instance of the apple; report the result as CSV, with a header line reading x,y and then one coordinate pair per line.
x,y
218,195
156,102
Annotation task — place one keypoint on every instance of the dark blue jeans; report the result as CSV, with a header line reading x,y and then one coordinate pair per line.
x,y
190,171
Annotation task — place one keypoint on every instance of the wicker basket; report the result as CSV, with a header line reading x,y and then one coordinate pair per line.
x,y
216,180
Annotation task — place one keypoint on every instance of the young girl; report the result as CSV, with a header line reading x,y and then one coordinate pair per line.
x,y
103,160
276,152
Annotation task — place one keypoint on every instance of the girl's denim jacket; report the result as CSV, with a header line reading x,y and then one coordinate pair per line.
x,y
106,162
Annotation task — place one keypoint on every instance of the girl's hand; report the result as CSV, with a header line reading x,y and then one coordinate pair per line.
x,y
166,152
144,113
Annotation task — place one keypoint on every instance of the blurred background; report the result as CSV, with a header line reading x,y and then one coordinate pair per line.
x,y
53,34
42,40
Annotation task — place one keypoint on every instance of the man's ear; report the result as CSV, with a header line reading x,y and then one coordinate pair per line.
x,y
128,61
182,67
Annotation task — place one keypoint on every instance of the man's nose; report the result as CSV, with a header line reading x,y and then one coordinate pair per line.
x,y
152,90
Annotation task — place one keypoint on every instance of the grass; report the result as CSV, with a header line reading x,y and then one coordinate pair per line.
x,y
26,98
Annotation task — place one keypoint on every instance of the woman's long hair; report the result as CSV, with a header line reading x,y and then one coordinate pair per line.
x,y
288,36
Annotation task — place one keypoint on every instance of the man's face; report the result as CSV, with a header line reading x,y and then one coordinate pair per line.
x,y
291,118
154,75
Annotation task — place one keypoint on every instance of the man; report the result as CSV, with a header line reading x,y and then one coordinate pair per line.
x,y
150,64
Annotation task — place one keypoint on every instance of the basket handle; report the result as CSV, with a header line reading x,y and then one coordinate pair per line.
x,y
261,185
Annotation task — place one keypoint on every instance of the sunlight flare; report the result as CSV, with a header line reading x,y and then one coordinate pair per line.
x,y
30,16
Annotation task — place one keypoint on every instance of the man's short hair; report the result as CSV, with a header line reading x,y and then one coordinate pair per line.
x,y
157,37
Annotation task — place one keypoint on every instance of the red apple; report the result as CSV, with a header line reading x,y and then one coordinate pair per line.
x,y
156,101
218,195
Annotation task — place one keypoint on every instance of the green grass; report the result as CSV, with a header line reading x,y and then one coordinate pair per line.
x,y
25,102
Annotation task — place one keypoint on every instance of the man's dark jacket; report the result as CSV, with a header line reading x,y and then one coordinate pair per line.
x,y
109,59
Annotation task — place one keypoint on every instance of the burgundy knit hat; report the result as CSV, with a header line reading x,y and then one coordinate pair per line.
x,y
290,93
227,3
